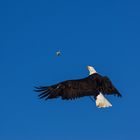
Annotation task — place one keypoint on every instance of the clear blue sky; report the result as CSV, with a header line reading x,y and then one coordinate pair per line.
x,y
104,34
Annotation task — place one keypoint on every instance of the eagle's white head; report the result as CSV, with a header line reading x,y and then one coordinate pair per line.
x,y
91,70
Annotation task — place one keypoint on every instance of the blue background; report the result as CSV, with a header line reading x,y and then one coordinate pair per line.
x,y
104,34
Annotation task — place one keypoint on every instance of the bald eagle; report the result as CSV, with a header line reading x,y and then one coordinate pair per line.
x,y
94,86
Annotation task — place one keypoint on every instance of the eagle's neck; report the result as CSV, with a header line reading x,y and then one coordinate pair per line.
x,y
92,71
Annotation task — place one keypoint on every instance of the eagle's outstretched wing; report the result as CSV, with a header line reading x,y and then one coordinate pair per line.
x,y
70,89
106,87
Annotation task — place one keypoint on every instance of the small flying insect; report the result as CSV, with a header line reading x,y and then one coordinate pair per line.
x,y
58,53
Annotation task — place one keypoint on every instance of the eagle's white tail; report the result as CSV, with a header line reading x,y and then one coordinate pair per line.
x,y
101,101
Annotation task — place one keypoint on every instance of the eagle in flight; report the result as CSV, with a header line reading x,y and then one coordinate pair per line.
x,y
95,86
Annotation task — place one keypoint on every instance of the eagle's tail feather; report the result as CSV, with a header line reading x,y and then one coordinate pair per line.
x,y
102,102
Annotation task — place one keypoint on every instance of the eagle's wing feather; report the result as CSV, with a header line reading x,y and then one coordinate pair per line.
x,y
70,89
106,87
